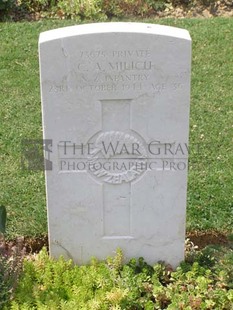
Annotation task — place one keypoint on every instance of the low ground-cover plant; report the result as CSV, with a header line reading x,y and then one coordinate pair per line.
x,y
6,6
11,258
96,9
50,284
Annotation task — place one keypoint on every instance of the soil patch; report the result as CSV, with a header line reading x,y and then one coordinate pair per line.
x,y
204,238
199,238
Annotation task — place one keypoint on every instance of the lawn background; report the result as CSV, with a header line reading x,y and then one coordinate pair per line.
x,y
209,202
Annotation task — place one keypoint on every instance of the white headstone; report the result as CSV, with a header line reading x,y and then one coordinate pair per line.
x,y
115,102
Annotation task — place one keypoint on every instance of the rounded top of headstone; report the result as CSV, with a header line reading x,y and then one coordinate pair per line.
x,y
114,27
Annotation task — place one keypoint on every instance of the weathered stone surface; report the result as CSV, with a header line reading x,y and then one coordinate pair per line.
x,y
115,102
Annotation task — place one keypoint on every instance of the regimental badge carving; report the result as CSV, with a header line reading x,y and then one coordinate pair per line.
x,y
117,157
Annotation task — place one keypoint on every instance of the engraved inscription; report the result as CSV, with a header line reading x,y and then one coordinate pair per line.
x,y
116,66
103,71
94,54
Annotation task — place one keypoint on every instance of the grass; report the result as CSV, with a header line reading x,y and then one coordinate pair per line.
x,y
210,176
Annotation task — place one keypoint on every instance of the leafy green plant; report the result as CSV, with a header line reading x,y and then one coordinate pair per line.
x,y
157,5
81,9
36,6
120,8
58,284
5,7
6,4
